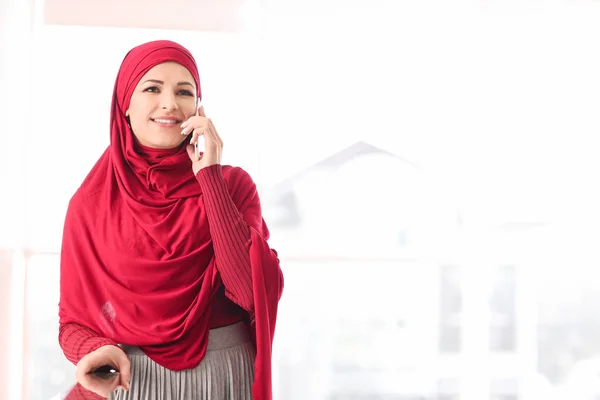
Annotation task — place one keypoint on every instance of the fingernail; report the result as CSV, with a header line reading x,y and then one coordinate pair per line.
x,y
184,124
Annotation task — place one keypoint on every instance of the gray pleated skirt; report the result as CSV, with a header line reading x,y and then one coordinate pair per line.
x,y
225,373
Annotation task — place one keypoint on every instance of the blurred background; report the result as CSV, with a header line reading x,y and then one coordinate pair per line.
x,y
428,170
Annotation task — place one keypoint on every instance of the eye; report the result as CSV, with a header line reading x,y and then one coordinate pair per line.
x,y
152,89
186,93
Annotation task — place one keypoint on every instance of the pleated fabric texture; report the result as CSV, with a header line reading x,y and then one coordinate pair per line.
x,y
225,373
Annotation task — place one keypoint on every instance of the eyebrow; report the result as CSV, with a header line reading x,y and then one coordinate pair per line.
x,y
183,83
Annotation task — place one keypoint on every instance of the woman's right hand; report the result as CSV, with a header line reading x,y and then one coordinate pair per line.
x,y
105,355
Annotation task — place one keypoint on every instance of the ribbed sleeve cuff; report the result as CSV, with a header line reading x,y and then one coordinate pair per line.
x,y
230,235
77,341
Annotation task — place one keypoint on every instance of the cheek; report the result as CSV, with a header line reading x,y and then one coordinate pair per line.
x,y
137,118
189,108
140,107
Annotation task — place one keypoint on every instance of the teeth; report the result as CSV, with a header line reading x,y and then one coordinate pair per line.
x,y
165,121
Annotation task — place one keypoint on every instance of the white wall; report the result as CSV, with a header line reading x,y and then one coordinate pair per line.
x,y
495,100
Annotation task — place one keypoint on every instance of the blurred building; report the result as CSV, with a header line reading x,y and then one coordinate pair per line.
x,y
387,294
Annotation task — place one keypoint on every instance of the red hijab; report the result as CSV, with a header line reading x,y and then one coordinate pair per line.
x,y
137,265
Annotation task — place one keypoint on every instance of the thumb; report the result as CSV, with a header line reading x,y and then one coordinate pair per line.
x,y
191,152
124,371
201,111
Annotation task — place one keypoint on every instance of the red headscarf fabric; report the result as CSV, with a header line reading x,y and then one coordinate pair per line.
x,y
135,265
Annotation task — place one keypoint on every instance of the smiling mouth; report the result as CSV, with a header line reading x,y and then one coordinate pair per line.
x,y
166,121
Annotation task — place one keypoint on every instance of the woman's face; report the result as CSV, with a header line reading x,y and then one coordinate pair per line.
x,y
164,98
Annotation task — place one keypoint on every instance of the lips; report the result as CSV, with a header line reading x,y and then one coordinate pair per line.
x,y
169,121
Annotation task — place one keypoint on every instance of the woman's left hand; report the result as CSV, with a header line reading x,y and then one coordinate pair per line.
x,y
200,125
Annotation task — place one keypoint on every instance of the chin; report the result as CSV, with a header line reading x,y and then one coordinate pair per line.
x,y
168,144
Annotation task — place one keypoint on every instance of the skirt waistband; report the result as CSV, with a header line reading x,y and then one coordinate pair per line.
x,y
218,338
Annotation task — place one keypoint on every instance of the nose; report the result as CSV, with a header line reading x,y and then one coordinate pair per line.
x,y
168,101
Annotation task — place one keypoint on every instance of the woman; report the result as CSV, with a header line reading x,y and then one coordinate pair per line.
x,y
166,274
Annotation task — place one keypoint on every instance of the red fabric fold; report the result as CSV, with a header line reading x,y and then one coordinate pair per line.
x,y
147,245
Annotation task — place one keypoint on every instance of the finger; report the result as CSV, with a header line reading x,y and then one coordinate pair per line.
x,y
80,373
85,366
210,126
193,137
201,111
214,137
187,129
192,123
191,152
102,387
125,371
215,133
197,133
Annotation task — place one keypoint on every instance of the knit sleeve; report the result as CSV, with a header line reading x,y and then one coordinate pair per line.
x,y
234,216
79,393
77,341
